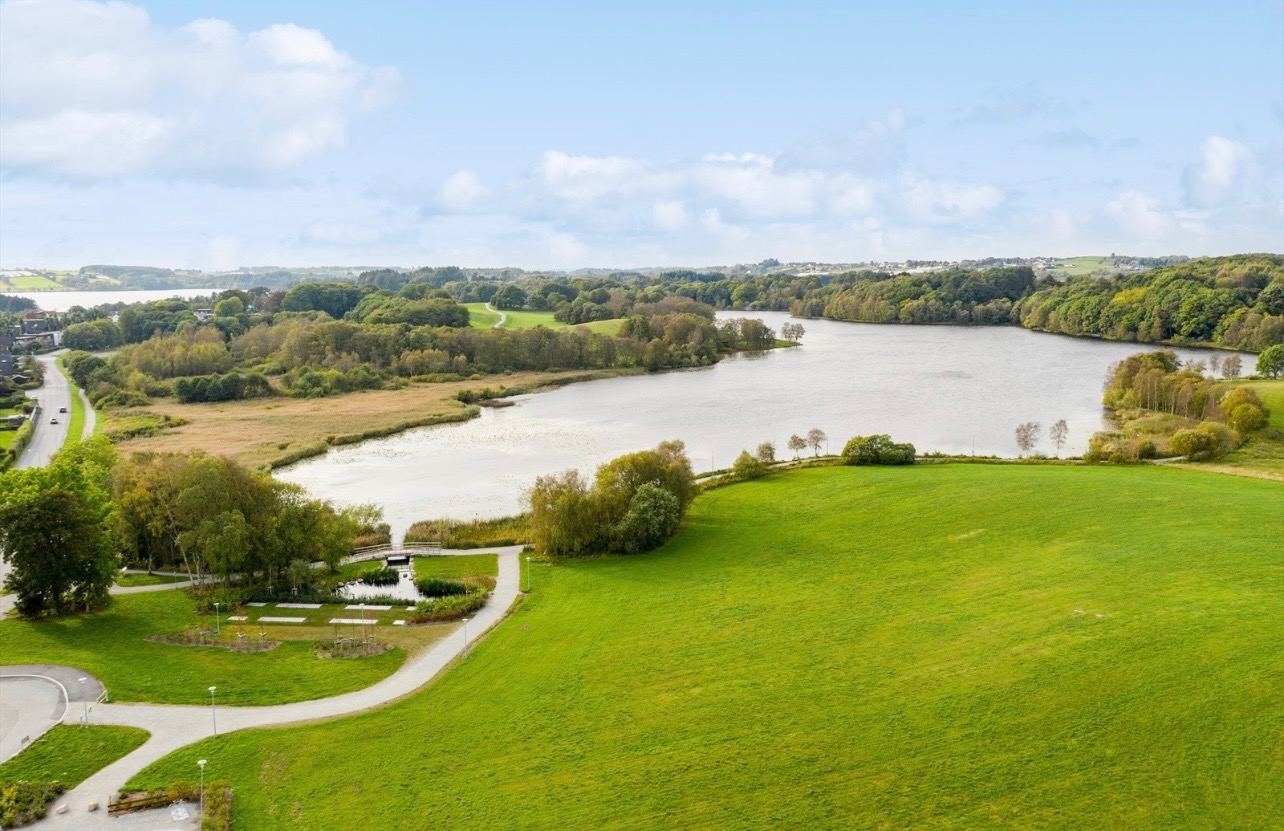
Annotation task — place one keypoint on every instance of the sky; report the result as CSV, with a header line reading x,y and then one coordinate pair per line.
x,y
216,135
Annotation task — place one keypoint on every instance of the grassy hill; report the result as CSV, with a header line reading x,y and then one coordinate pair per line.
x,y
936,647
482,318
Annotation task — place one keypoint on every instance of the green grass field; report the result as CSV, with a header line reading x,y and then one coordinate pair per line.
x,y
133,579
482,318
76,424
112,645
70,754
31,282
936,647
1078,266
461,565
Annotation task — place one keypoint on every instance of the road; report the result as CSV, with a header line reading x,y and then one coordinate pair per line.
x,y
54,394
175,726
503,318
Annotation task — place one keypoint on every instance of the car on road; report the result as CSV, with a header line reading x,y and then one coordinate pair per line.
x,y
53,421
62,409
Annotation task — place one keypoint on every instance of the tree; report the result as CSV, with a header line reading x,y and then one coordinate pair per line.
x,y
299,574
792,332
1231,366
815,438
747,466
797,444
1271,362
1059,432
877,450
766,453
53,530
230,306
509,297
1027,435
652,518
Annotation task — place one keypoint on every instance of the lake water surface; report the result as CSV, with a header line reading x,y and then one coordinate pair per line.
x,y
61,301
948,389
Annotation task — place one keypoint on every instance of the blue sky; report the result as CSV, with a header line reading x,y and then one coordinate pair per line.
x,y
214,135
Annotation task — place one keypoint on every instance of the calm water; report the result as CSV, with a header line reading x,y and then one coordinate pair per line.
x,y
955,390
61,301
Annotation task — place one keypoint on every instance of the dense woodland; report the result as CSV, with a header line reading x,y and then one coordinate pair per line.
x,y
322,339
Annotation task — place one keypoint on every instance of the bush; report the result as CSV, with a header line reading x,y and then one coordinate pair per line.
x,y
439,587
447,608
24,802
1210,440
877,450
748,467
652,518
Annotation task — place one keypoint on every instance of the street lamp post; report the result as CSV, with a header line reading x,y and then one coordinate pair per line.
x,y
84,700
201,763
528,573
213,713
363,623
218,630
465,637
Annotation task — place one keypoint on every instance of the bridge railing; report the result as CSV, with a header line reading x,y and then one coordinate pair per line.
x,y
378,552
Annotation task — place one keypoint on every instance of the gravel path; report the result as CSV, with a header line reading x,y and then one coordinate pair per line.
x,y
503,318
175,726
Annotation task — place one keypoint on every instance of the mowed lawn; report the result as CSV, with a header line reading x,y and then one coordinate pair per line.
x,y
936,647
112,645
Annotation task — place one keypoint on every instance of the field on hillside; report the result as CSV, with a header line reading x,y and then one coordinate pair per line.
x,y
482,318
935,647
1079,266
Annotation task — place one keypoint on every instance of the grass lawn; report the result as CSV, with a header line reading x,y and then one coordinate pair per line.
x,y
1078,266
76,424
112,645
6,438
69,754
462,565
133,579
480,317
943,647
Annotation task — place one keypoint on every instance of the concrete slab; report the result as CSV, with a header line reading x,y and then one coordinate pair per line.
x,y
282,620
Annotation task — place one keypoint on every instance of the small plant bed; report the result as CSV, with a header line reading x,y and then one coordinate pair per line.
x,y
207,637
450,599
25,802
381,577
218,802
351,647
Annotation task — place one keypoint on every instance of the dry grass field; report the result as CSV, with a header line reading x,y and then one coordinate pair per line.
x,y
260,432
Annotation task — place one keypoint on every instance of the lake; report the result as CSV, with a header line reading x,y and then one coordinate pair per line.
x,y
61,301
943,388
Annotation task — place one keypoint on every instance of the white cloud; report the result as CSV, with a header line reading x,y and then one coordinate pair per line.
x,y
93,91
1223,173
669,215
937,200
341,234
462,191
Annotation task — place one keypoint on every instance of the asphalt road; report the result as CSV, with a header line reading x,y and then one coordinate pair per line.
x,y
54,394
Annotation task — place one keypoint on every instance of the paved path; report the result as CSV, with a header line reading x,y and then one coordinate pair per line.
x,y
54,394
503,318
35,697
175,726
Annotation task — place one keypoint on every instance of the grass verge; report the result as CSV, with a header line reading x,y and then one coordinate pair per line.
x,y
75,424
941,646
68,755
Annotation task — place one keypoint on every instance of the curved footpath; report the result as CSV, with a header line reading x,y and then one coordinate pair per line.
x,y
503,318
175,726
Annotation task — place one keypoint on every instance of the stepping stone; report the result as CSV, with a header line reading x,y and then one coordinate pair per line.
x,y
298,605
355,620
398,623
237,617
256,605
372,608
282,619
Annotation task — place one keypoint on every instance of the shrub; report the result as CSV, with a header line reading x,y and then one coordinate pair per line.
x,y
447,608
1210,440
381,577
652,518
24,802
438,587
877,450
748,467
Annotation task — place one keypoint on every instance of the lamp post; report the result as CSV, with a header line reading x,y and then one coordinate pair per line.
x,y
218,630
213,713
528,573
85,701
465,637
201,763
363,623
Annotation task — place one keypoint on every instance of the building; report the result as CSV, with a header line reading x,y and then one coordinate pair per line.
x,y
6,356
35,323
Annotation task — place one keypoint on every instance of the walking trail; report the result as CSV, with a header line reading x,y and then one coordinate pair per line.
x,y
503,318
175,726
